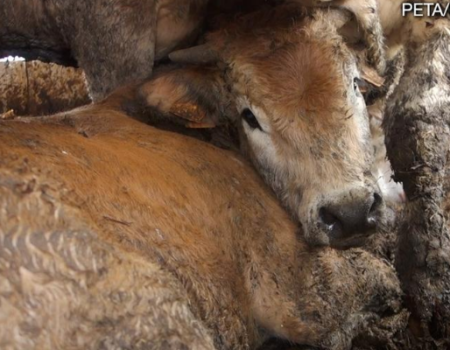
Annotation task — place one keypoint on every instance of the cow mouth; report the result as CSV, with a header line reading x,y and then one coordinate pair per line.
x,y
337,239
353,241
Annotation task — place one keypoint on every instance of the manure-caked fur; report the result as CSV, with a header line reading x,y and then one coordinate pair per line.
x,y
418,138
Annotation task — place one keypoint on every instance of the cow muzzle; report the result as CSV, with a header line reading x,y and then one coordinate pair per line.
x,y
349,217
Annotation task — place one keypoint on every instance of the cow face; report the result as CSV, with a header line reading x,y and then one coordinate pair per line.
x,y
292,87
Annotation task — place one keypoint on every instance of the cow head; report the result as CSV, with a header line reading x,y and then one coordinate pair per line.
x,y
290,83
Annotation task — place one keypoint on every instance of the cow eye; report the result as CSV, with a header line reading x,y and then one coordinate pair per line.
x,y
250,119
359,85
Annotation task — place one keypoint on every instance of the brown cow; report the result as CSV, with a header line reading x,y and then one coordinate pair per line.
x,y
118,235
291,85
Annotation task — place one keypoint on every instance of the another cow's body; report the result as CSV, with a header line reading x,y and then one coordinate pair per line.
x,y
418,144
117,235
114,41
117,41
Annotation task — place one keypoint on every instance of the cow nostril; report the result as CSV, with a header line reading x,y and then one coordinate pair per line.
x,y
376,202
331,221
326,217
372,214
353,213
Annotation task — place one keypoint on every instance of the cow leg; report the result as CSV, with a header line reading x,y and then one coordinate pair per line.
x,y
114,43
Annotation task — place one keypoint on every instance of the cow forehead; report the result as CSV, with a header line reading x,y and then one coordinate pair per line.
x,y
264,32
301,78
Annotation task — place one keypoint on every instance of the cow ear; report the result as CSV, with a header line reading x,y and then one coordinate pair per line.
x,y
197,96
371,76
